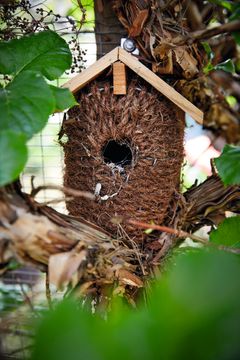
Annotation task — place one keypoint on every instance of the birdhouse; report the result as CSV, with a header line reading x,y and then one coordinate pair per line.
x,y
124,143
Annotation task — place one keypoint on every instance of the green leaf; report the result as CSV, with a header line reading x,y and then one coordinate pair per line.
x,y
208,50
45,52
235,13
207,68
227,65
64,99
195,300
229,5
228,165
231,100
13,155
26,104
227,233
236,36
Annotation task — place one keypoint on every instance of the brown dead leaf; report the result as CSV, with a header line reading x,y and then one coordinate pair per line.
x,y
138,23
128,278
165,66
186,61
63,266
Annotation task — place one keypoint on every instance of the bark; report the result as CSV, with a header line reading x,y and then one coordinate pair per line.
x,y
108,29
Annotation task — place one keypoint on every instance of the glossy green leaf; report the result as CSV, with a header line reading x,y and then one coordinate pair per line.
x,y
208,50
228,165
64,99
227,233
45,52
26,104
13,155
227,65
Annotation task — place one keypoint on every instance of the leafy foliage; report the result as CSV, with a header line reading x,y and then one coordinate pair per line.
x,y
228,165
23,17
28,100
63,98
45,52
193,313
227,65
26,104
13,157
227,233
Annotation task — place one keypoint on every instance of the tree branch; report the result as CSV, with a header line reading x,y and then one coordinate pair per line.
x,y
190,38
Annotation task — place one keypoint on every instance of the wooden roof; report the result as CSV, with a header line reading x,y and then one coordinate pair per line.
x,y
119,54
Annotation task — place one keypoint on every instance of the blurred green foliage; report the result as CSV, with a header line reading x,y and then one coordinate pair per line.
x,y
227,233
76,13
228,165
193,313
10,297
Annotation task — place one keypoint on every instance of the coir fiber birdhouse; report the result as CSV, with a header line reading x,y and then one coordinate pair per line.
x,y
124,142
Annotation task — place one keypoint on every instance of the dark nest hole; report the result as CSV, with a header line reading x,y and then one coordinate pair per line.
x,y
117,152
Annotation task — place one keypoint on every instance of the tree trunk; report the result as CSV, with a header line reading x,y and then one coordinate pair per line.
x,y
108,29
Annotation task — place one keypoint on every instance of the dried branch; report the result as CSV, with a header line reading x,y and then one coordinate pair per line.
x,y
207,203
177,233
191,37
64,189
72,248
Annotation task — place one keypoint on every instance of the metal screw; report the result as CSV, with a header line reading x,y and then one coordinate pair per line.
x,y
129,45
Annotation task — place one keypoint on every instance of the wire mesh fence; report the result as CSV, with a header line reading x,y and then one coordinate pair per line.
x,y
22,291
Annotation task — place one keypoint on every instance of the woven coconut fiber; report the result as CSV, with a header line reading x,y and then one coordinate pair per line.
x,y
128,150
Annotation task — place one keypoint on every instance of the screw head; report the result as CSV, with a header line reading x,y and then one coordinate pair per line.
x,y
129,45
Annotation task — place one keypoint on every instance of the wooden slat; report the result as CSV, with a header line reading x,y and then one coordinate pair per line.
x,y
119,78
80,80
161,85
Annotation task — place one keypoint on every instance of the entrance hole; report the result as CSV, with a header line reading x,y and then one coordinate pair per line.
x,y
118,153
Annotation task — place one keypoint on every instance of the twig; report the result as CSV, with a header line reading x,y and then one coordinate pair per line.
x,y
55,201
27,298
164,250
65,190
206,33
178,233
48,291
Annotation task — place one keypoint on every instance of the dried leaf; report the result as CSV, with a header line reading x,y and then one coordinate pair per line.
x,y
62,266
138,23
126,277
187,62
165,66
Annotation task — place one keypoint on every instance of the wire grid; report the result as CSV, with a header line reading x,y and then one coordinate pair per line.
x,y
46,164
46,160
